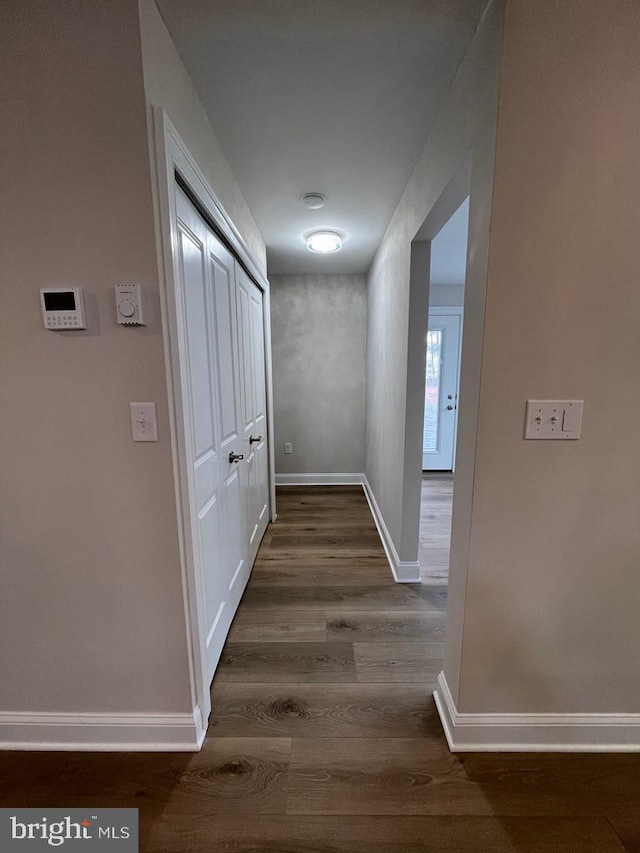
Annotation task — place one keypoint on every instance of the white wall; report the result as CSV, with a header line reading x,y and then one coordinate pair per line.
x,y
551,618
91,612
466,124
449,249
319,365
446,295
91,602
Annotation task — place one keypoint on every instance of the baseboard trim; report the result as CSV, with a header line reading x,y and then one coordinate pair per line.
x,y
403,572
534,732
102,732
319,479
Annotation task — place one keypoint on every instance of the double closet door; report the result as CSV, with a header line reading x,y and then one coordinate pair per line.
x,y
221,322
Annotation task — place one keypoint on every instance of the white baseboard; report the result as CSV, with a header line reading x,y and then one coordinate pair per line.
x,y
534,732
102,732
319,479
403,572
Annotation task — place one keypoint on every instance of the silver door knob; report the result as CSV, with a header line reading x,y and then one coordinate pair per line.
x,y
254,438
235,457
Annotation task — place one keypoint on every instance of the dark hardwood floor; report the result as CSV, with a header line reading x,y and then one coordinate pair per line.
x,y
435,527
324,737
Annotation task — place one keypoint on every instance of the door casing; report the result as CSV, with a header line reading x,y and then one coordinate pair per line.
x,y
172,158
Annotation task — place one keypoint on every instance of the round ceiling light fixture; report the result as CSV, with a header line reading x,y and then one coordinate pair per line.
x,y
324,242
314,201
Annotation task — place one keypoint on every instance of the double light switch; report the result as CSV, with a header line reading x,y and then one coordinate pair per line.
x,y
557,419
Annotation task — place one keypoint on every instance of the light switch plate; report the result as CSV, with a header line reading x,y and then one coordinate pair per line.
x,y
553,419
143,421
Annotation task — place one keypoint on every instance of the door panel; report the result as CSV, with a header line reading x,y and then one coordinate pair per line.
x,y
441,392
229,400
204,461
209,529
245,345
260,416
218,486
251,331
225,339
192,252
234,532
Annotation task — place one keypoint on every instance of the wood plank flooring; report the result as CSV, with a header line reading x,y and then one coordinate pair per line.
x,y
324,737
435,527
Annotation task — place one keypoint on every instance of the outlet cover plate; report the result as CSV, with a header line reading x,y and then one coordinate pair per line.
x,y
553,419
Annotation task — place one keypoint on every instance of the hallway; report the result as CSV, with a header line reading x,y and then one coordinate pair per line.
x,y
324,736
436,505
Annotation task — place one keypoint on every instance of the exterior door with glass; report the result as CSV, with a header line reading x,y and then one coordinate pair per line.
x,y
441,391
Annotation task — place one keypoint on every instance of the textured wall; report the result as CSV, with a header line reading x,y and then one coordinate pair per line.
x,y
319,366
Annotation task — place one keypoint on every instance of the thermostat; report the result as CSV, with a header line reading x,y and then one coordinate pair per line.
x,y
63,308
128,305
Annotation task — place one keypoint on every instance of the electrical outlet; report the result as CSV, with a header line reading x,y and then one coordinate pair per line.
x,y
288,447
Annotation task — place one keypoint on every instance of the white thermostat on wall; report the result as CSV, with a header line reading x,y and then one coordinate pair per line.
x,y
63,308
129,305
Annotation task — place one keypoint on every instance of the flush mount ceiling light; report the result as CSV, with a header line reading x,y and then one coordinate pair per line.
x,y
324,242
314,201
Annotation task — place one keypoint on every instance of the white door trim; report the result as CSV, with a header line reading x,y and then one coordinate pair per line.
x,y
173,157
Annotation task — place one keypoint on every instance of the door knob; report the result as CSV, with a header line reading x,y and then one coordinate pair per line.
x,y
254,438
235,457
449,408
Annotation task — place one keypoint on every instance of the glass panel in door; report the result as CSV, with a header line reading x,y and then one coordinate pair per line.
x,y
432,391
441,392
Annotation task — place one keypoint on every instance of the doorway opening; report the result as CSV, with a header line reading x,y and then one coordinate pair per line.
x,y
442,385
444,342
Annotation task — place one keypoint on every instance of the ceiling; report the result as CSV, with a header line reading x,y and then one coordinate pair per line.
x,y
330,96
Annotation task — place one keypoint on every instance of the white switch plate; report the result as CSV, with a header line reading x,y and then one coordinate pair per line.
x,y
288,447
143,421
553,419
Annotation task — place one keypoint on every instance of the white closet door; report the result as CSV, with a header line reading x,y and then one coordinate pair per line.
x,y
217,483
254,398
